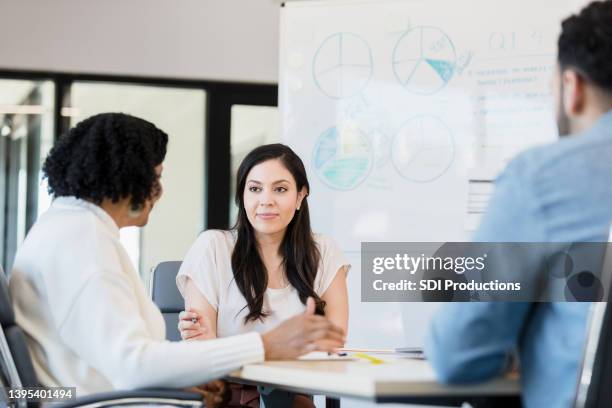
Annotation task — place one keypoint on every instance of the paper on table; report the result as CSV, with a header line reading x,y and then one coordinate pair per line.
x,y
366,350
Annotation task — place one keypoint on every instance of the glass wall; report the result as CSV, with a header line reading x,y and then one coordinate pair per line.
x,y
226,118
26,135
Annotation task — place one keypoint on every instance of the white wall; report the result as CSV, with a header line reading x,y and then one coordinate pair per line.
x,y
234,40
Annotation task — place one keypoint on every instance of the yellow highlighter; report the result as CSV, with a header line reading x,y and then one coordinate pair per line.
x,y
371,359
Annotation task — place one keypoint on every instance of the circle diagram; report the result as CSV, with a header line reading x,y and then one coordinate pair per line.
x,y
343,65
342,159
423,149
424,60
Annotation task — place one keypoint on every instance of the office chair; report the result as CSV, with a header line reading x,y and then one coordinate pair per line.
x,y
17,371
596,374
593,390
167,297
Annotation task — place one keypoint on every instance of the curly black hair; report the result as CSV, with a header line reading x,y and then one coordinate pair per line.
x,y
107,156
585,43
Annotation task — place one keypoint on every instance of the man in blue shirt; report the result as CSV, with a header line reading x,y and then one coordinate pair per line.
x,y
556,193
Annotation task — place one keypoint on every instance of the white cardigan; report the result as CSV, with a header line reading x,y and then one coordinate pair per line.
x,y
87,317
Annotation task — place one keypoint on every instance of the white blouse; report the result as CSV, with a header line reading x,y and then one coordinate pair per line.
x,y
88,320
208,264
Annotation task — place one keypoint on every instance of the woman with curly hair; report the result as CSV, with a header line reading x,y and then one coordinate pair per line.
x,y
87,317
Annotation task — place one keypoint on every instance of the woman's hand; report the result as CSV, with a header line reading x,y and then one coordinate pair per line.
x,y
302,334
194,326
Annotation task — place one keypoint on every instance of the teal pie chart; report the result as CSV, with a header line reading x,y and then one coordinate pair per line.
x,y
342,159
424,60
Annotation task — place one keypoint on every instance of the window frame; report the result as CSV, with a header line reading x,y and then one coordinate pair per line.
x,y
220,97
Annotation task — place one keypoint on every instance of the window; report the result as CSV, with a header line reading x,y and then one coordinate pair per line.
x,y
244,117
211,126
26,135
178,216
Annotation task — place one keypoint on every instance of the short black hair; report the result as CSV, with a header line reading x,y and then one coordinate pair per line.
x,y
585,43
107,156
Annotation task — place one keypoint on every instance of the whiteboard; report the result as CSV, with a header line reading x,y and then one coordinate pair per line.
x,y
404,112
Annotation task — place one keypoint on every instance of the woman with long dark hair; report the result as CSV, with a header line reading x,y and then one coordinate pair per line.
x,y
263,270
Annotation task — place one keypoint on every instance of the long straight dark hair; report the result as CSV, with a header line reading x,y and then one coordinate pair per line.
x,y
298,250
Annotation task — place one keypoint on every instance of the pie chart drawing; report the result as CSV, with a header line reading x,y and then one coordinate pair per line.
x,y
424,60
423,149
342,65
342,159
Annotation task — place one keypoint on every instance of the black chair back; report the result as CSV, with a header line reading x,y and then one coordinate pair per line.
x,y
167,297
17,369
15,355
595,378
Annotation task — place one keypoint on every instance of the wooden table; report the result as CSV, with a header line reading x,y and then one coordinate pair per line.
x,y
396,380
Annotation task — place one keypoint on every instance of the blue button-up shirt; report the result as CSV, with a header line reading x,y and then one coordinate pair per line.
x,y
556,193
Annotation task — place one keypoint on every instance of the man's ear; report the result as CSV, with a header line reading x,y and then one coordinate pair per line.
x,y
574,92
